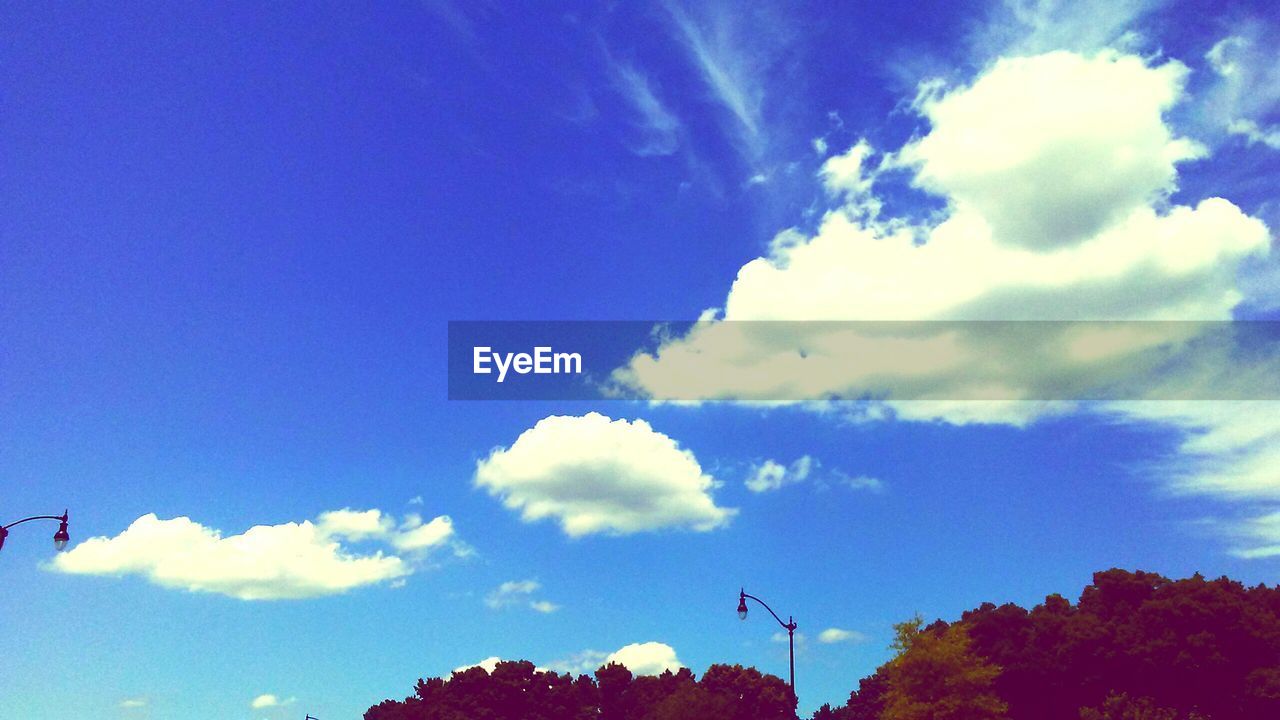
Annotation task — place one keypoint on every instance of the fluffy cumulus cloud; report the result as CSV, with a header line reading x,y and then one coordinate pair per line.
x,y
339,551
516,593
594,474
1049,150
647,658
1058,173
1057,170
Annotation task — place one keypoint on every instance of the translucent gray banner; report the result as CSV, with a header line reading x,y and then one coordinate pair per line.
x,y
778,361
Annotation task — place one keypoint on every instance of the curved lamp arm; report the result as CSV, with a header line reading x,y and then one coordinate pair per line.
x,y
742,605
60,538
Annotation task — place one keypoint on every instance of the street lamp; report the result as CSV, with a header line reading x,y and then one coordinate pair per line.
x,y
60,538
789,625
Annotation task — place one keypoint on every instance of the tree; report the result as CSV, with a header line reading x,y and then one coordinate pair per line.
x,y
1119,706
936,676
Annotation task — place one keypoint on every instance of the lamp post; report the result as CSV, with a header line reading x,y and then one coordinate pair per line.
x,y
60,538
789,625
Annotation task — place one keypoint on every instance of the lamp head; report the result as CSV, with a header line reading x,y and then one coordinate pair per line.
x,y
742,605
4,533
62,537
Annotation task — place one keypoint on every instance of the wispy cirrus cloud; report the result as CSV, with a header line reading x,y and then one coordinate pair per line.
x,y
734,50
657,126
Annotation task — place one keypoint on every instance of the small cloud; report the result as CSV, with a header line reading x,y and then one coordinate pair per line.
x,y
597,475
659,126
488,664
585,662
781,638
772,475
831,636
864,482
268,700
820,146
131,703
416,500
417,535
544,606
519,592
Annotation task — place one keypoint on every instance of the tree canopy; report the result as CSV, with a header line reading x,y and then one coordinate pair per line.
x,y
1135,646
519,691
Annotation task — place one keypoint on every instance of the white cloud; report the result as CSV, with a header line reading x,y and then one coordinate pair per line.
x,y
831,636
1050,150
1057,170
354,525
659,127
863,482
845,175
1261,536
519,592
594,474
1030,27
1254,134
649,658
731,72
510,593
133,703
414,534
579,663
783,638
772,475
1247,88
544,606
268,700
267,562
488,664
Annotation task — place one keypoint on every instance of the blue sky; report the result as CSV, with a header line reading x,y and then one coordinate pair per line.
x,y
231,239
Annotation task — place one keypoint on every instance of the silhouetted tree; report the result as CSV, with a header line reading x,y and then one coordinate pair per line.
x,y
1136,646
936,676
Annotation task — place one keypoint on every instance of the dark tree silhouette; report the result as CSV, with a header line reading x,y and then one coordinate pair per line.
x,y
519,691
1136,646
